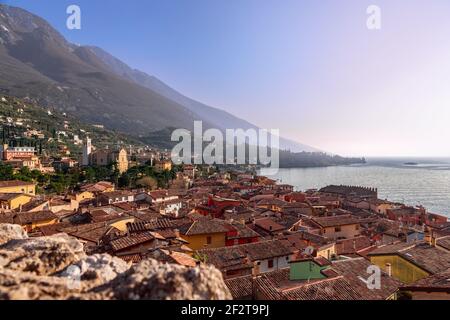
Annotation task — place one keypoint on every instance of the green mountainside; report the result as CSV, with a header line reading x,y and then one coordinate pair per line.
x,y
25,123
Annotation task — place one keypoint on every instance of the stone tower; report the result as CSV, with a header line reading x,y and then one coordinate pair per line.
x,y
87,150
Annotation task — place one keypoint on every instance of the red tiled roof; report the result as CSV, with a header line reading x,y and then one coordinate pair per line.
x,y
428,258
355,271
15,183
341,220
32,217
439,282
269,225
276,285
130,241
204,226
180,258
222,257
240,287
444,243
352,245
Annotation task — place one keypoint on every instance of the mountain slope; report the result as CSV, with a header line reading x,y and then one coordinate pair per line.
x,y
36,61
219,118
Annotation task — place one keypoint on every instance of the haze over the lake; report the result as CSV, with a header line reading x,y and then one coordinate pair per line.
x,y
425,183
312,69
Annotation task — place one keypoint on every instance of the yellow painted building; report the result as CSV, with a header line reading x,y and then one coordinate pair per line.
x,y
338,227
32,220
121,224
205,241
83,195
410,262
18,187
204,233
327,251
106,157
401,268
341,232
163,165
122,161
13,201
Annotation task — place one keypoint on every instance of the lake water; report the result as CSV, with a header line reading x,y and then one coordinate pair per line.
x,y
427,182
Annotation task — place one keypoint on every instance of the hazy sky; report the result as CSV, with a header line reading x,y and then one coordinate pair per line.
x,y
310,68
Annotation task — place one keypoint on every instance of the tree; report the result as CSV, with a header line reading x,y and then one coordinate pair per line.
x,y
147,182
6,172
89,174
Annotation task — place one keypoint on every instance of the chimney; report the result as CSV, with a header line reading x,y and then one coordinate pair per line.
x,y
389,269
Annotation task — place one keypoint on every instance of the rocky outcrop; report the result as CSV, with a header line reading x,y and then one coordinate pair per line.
x,y
11,232
95,270
56,267
153,280
41,256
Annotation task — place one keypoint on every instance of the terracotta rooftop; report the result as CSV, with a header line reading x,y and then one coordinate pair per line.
x,y
444,243
179,258
92,232
114,194
423,255
269,225
158,194
355,272
240,287
254,251
242,231
204,226
33,217
97,187
294,240
335,221
438,282
352,245
14,183
276,285
227,258
130,241
10,196
312,237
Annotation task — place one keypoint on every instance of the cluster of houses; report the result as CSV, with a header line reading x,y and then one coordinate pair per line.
x,y
22,136
269,241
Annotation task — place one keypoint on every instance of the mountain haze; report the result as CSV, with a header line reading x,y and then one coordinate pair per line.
x,y
37,62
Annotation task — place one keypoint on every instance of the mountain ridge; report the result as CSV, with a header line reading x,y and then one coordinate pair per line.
x,y
221,118
37,61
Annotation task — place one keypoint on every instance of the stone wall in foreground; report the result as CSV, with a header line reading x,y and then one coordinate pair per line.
x,y
56,267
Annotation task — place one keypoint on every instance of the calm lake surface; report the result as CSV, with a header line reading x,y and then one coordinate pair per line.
x,y
409,180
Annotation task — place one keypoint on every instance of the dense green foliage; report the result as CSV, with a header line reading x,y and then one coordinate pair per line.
x,y
57,128
64,181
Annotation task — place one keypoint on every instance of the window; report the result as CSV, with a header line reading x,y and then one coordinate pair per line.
x,y
270,263
208,240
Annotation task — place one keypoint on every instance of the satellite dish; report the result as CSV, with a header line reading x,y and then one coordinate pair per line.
x,y
309,250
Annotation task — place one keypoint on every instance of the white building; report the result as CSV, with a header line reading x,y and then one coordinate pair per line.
x,y
87,150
